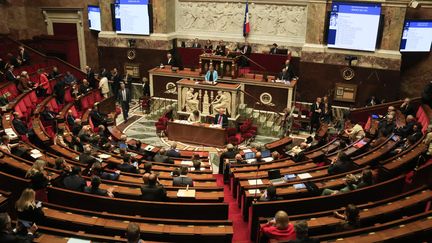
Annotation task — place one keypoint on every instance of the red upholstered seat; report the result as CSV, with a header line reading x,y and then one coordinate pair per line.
x,y
68,97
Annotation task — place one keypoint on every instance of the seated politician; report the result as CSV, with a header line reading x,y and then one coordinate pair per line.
x,y
194,117
221,118
211,75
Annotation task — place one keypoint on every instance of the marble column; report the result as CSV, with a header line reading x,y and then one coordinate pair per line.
x,y
316,16
163,16
393,25
106,15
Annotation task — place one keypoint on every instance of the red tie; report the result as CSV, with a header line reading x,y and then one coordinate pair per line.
x,y
220,120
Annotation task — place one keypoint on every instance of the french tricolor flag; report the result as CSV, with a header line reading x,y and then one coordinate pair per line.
x,y
246,26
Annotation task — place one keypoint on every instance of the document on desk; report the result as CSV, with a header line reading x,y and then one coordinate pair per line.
x,y
255,182
254,191
104,156
149,148
75,240
247,151
187,162
304,176
215,126
186,193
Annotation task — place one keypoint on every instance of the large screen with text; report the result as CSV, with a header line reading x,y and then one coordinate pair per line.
x,y
132,17
416,36
354,25
94,17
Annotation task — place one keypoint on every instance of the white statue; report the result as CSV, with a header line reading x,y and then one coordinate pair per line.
x,y
205,104
222,100
191,100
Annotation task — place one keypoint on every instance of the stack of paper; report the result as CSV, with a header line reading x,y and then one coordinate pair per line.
x,y
11,133
254,191
34,153
304,176
268,159
255,182
75,240
187,162
186,193
104,156
149,148
247,151
299,186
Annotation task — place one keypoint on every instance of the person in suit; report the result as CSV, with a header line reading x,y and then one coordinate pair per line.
x,y
221,118
373,100
302,233
126,166
59,91
173,151
19,125
220,49
196,44
229,153
77,126
161,156
90,76
23,56
208,46
85,87
351,218
116,78
97,117
183,179
70,119
274,49
10,76
171,60
316,110
124,98
284,75
20,235
86,156
94,188
54,73
105,73
74,181
339,165
246,51
152,191
211,75
145,87
407,108
269,195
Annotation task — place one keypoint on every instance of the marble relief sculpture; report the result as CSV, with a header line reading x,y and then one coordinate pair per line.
x,y
191,100
276,20
222,100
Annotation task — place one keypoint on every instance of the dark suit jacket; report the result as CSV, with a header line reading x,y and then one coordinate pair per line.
x,y
97,117
74,182
32,214
248,50
127,168
408,110
91,78
315,115
20,126
86,158
224,120
173,153
160,158
99,192
10,76
83,89
273,50
171,62
10,237
76,129
196,45
25,57
120,96
182,181
153,193
146,89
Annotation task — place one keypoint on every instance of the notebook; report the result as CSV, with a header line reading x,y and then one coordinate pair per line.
x,y
299,186
186,193
265,153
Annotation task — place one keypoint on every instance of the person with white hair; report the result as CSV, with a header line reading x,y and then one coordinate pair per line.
x,y
173,151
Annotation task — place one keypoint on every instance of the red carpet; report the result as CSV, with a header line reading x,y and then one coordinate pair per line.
x,y
241,228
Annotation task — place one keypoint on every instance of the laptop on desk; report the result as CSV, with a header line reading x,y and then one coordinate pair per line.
x,y
250,157
275,177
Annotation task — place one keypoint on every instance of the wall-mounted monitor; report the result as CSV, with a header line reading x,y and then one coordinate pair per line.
x,y
94,17
416,36
354,25
132,17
